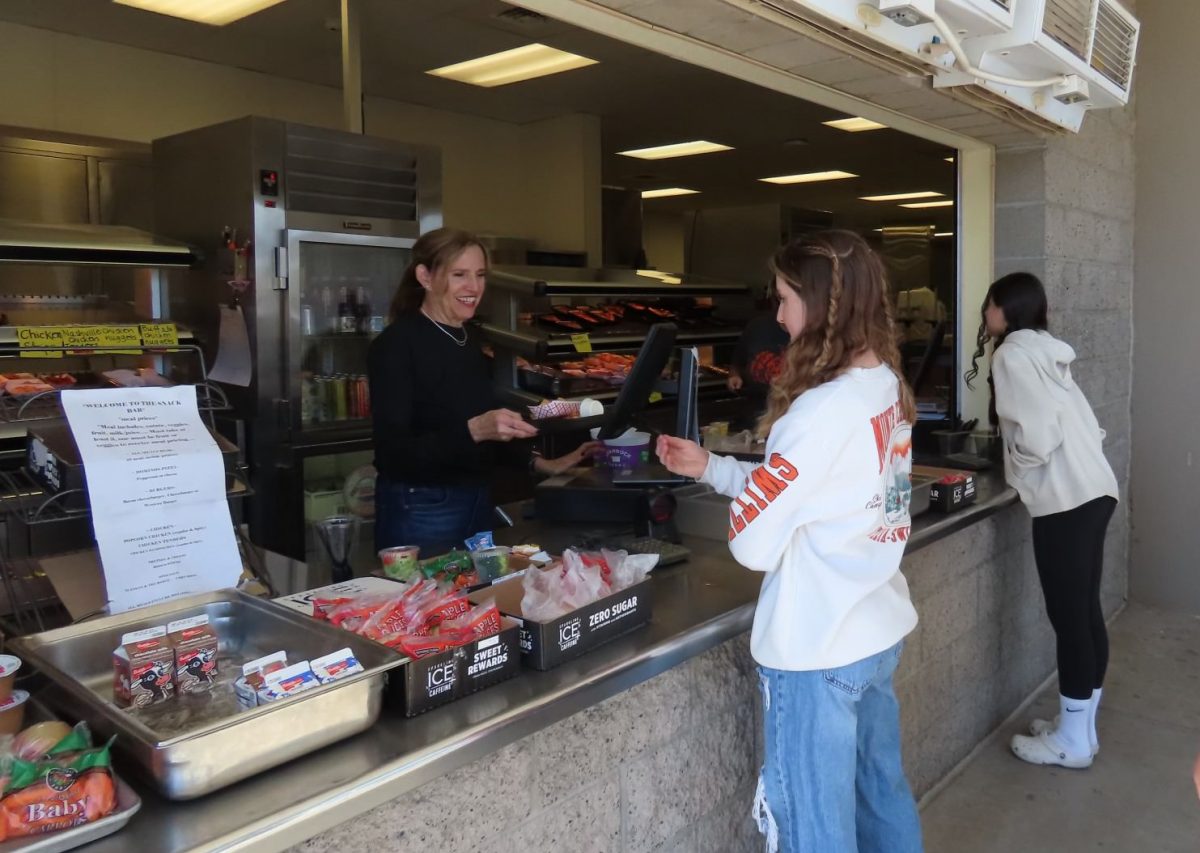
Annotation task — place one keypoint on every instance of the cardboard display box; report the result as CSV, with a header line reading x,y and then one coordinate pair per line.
x,y
952,489
545,645
430,682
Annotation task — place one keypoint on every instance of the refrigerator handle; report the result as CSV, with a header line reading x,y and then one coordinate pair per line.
x,y
281,268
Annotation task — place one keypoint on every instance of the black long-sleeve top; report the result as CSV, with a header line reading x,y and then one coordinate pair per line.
x,y
424,389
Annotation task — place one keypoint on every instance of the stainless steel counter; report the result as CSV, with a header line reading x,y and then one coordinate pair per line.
x,y
698,605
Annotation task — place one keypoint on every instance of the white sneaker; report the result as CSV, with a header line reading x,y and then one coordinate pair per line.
x,y
1045,749
1038,726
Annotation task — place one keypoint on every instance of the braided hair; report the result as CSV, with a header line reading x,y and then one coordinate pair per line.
x,y
844,287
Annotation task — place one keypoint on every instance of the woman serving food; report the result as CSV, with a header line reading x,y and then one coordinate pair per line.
x,y
439,429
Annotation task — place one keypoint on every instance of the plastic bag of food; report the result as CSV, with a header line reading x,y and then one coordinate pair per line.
x,y
481,621
537,601
582,580
71,786
628,569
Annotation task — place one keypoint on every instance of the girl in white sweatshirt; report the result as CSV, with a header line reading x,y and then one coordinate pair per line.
x,y
1054,459
825,518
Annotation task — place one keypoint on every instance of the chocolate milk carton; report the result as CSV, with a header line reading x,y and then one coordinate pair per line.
x,y
143,668
195,647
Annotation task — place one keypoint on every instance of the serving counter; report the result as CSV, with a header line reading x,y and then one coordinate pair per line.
x,y
652,738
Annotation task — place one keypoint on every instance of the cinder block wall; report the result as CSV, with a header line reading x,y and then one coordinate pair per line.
x,y
1065,211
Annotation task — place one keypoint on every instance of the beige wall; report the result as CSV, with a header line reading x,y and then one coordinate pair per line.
x,y
664,236
538,181
1166,304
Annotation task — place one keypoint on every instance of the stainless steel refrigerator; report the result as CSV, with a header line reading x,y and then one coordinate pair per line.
x,y
308,231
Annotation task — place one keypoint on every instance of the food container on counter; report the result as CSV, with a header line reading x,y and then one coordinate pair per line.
x,y
494,563
400,562
198,743
12,712
8,673
989,445
951,441
627,451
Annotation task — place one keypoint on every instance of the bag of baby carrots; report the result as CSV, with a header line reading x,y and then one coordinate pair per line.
x,y
72,785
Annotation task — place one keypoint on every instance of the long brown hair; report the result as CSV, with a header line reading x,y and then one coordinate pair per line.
x,y
433,250
848,310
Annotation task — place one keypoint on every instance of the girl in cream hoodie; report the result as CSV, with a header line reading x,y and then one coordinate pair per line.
x,y
825,519
1054,459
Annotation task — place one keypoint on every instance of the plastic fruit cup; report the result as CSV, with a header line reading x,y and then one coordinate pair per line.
x,y
12,712
8,671
400,561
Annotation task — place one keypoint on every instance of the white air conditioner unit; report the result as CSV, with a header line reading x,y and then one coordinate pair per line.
x,y
1094,40
1054,58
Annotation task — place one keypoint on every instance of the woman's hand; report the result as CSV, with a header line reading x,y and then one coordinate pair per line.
x,y
499,425
681,456
552,467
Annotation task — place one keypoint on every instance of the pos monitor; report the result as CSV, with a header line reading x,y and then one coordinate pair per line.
x,y
643,376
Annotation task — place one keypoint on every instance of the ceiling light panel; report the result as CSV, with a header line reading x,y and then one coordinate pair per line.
x,y
901,196
667,192
512,66
809,177
920,205
214,12
676,149
854,125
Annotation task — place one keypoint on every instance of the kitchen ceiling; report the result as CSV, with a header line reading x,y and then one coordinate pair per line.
x,y
643,98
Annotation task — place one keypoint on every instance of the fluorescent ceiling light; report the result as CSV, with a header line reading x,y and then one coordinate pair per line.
x,y
215,12
809,177
677,149
512,66
906,229
922,204
901,196
667,192
943,234
854,125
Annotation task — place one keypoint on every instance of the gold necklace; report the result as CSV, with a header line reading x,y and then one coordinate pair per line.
x,y
446,331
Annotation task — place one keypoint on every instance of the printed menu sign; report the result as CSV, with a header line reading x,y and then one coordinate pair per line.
x,y
156,484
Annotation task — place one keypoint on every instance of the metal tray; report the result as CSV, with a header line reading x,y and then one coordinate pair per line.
x,y
128,803
186,758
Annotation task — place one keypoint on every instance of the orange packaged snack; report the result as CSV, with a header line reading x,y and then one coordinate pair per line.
x,y
71,786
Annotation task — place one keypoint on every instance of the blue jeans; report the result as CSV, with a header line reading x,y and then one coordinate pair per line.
x,y
436,518
832,781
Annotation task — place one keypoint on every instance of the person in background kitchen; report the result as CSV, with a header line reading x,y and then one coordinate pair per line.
x,y
438,426
758,358
825,518
1054,459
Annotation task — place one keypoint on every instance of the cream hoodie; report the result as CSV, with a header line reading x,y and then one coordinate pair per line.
x,y
826,518
1053,453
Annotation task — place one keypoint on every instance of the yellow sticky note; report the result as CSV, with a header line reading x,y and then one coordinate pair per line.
x,y
159,335
39,336
655,396
582,342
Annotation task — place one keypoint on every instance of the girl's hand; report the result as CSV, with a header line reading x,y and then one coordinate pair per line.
x,y
499,425
681,456
552,467
734,382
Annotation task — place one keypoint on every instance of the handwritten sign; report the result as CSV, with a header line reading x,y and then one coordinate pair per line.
x,y
82,340
159,335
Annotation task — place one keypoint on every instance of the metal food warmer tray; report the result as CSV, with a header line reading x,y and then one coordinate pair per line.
x,y
193,744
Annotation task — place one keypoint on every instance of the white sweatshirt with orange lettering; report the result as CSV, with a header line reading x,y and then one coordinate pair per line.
x,y
826,518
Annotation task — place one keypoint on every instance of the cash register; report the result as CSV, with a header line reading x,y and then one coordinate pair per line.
x,y
639,496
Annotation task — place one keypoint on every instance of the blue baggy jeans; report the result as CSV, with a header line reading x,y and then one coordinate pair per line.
x,y
832,780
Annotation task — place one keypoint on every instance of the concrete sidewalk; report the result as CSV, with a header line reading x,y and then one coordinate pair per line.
x,y
1138,796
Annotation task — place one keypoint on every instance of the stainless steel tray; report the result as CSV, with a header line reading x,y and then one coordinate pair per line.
x,y
128,803
194,744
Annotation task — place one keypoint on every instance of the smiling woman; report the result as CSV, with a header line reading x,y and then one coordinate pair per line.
x,y
439,428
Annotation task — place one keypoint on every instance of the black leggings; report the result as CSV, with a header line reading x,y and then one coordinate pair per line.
x,y
1069,550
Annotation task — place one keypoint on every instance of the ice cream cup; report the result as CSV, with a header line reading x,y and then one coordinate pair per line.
x,y
8,672
12,712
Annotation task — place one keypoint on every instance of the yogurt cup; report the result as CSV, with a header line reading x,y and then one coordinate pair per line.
x,y
12,712
8,671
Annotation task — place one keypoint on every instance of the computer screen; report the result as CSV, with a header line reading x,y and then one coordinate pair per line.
x,y
643,376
